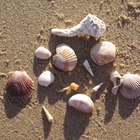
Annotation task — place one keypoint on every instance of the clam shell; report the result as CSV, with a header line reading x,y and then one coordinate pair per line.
x,y
130,86
81,102
46,78
19,86
103,53
42,53
65,58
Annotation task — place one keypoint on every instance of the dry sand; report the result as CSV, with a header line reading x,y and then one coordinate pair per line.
x,y
24,26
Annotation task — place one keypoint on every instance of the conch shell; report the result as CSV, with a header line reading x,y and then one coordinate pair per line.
x,y
90,25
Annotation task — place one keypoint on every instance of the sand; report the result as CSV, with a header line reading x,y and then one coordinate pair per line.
x,y
24,26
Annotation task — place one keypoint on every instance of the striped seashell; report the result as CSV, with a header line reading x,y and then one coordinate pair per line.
x,y
65,58
82,103
130,86
19,86
103,53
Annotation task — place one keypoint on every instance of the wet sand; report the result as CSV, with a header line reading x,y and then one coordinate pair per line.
x,y
24,26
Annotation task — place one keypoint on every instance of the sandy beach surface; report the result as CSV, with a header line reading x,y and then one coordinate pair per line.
x,y
24,26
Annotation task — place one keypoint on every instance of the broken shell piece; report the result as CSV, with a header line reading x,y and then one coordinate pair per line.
x,y
48,115
65,58
130,86
90,25
42,53
73,86
19,86
116,79
46,78
88,68
81,102
96,88
103,53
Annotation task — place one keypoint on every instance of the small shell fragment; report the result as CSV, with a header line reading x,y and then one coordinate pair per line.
x,y
90,25
103,53
88,68
42,53
81,102
48,115
96,88
65,58
116,79
72,87
46,78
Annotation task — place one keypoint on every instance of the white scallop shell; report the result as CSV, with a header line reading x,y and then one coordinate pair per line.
x,y
46,78
81,102
42,53
103,53
65,59
130,87
90,25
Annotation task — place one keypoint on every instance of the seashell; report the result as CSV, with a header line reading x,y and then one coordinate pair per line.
x,y
103,53
81,102
19,86
90,25
88,68
130,86
42,53
96,88
47,113
46,78
73,86
116,79
65,58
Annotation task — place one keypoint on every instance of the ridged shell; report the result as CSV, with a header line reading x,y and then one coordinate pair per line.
x,y
103,53
42,53
81,102
65,59
19,86
130,87
46,78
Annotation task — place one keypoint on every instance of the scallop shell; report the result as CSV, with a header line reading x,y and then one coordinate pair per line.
x,y
65,58
81,102
90,25
117,80
42,53
103,53
130,86
19,86
46,78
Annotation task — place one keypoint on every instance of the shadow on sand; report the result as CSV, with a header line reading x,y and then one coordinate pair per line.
x,y
75,124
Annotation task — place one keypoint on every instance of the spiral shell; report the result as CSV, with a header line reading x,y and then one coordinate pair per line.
x,y
65,58
46,78
130,86
19,86
81,102
42,53
103,53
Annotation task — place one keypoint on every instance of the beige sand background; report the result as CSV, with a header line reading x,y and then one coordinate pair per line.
x,y
24,26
